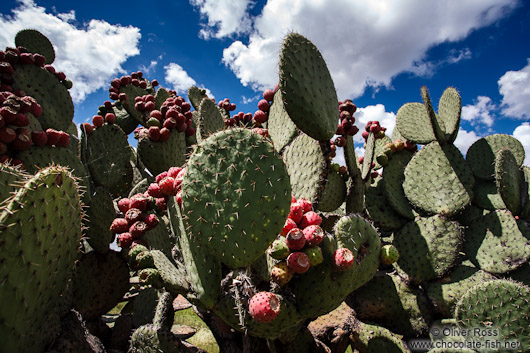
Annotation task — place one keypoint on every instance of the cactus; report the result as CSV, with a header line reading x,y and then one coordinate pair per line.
x,y
206,208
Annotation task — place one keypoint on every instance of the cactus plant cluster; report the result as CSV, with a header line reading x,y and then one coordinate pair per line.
x,y
246,218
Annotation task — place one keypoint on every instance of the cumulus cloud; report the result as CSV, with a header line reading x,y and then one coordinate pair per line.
x,y
90,55
465,139
479,112
224,17
514,86
179,78
365,43
374,113
522,133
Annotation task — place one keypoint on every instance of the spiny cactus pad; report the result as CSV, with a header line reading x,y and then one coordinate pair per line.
x,y
236,195
41,228
333,194
438,180
393,184
160,156
378,208
509,180
414,123
307,89
281,128
449,110
36,42
372,339
209,119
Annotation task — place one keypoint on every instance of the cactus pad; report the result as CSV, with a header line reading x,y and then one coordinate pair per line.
x,y
414,123
378,208
196,95
281,128
9,176
333,194
36,42
372,339
449,110
160,156
509,180
393,184
438,180
369,150
481,155
236,195
307,89
209,119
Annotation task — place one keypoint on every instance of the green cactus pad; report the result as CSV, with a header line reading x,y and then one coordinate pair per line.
x,y
41,228
307,167
414,124
374,339
196,95
203,270
281,128
438,180
100,281
108,158
509,180
379,209
486,195
54,98
393,184
323,288
368,159
334,193
132,92
497,243
356,186
428,247
160,238
10,177
236,195
521,274
160,156
36,42
449,110
352,162
445,292
379,149
160,97
389,301
481,155
501,306
209,119
438,126
469,214
174,277
124,120
307,89
100,214
153,339
525,212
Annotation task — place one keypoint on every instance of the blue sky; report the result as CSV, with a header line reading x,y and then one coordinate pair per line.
x,y
379,52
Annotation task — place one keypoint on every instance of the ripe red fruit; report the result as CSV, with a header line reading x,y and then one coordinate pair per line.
x,y
295,239
178,197
22,141
124,240
133,215
260,117
64,139
310,218
289,224
161,203
7,135
268,95
138,201
154,133
306,204
343,259
124,205
298,262
87,128
160,176
53,136
313,235
98,120
263,105
190,131
154,190
174,171
110,118
264,307
119,225
151,220
165,134
296,212
138,229
170,123
167,186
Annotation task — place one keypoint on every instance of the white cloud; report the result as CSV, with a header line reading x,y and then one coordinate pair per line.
x,y
374,113
522,133
90,56
225,17
365,43
180,79
465,139
515,88
146,70
479,112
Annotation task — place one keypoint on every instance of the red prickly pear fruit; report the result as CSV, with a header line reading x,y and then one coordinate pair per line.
x,y
279,249
151,220
64,139
156,114
3,149
185,107
170,123
167,186
115,83
343,259
340,130
313,235
264,307
60,75
161,203
340,141
263,105
97,120
306,204
296,212
182,127
110,118
293,199
190,131
7,135
399,145
87,128
160,176
119,225
309,219
22,142
411,146
154,190
122,97
140,106
298,262
154,83
260,116
289,224
179,178
20,120
281,273
374,174
108,105
133,215
124,205
173,171
315,255
139,201
178,197
49,68
125,240
53,137
295,239
361,160
149,106
138,229
165,134
154,133
39,137
268,95
143,84
365,134
352,131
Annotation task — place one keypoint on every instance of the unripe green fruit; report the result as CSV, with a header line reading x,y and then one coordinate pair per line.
x,y
389,254
279,249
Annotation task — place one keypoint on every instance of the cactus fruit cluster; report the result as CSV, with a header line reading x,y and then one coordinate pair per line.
x,y
246,219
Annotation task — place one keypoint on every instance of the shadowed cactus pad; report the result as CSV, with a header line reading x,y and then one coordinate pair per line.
x,y
281,128
307,88
36,42
236,195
